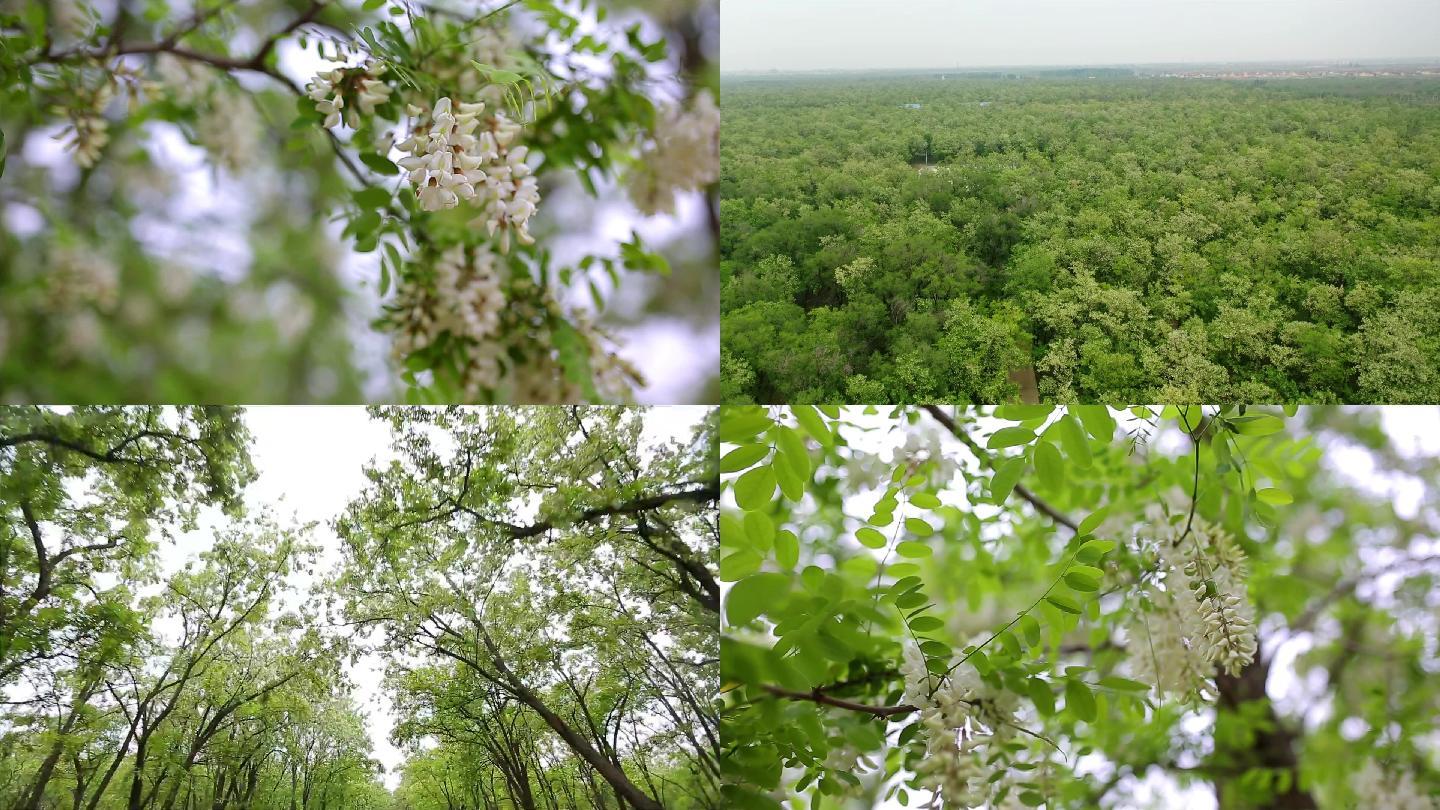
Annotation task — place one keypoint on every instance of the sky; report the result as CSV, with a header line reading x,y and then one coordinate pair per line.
x,y
310,463
857,34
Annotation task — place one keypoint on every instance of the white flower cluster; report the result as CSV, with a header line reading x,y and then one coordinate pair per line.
x,y
1203,616
88,131
1378,790
455,154
959,724
465,300
228,128
465,295
1160,649
684,155
850,276
327,90
81,277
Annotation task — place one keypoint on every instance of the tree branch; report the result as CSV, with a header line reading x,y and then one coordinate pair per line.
x,y
1036,501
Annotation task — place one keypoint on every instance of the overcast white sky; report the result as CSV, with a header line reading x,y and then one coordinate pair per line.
x,y
856,34
310,462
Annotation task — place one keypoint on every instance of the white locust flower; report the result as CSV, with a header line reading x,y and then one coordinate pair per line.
x,y
80,277
1160,649
455,155
324,90
1378,790
228,128
683,155
1207,573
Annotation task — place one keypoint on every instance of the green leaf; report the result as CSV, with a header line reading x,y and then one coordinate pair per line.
x,y
1123,684
925,500
924,624
787,549
1006,476
743,457
1010,437
1079,700
1262,425
1072,438
1031,798
1064,603
788,440
738,425
379,163
1050,466
1097,421
1031,628
1093,550
918,527
792,485
1081,581
739,565
914,550
372,197
813,423
1274,496
754,489
1093,520
760,530
1011,644
1042,696
870,538
751,596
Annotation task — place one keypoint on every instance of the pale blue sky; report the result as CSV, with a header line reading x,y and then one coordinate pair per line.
x,y
826,34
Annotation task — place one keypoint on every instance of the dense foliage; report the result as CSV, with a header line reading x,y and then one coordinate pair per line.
x,y
543,581
923,239
172,177
540,583
130,687
1034,606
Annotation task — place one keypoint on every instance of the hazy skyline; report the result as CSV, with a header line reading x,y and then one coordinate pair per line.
x,y
851,34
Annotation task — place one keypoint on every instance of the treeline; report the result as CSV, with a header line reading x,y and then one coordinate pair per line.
x,y
132,689
921,239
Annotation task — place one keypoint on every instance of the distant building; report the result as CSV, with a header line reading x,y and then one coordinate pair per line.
x,y
911,106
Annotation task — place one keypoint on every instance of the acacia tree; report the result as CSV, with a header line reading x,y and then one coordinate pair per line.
x,y
433,131
1042,606
544,575
86,493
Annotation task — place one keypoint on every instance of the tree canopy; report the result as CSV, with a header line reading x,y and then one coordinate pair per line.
x,y
1072,607
920,238
540,584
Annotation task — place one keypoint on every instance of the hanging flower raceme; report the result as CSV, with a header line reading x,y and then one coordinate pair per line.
x,y
363,84
684,155
501,330
1203,618
456,152
1379,789
961,722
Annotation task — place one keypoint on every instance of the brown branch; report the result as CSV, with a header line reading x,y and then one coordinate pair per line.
x,y
1036,501
817,696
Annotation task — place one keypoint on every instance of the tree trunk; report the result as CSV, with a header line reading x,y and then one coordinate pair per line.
x,y
1273,749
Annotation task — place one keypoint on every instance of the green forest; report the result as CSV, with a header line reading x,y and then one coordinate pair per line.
x,y
532,589
927,238
1080,607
